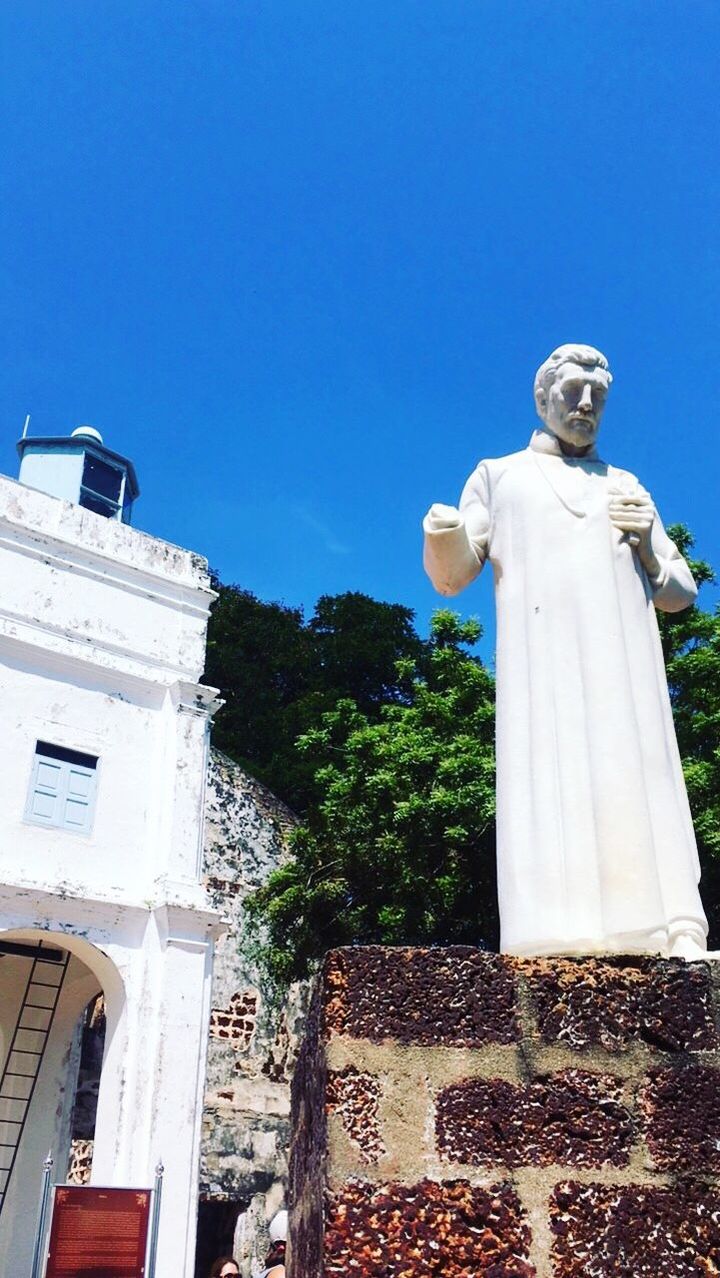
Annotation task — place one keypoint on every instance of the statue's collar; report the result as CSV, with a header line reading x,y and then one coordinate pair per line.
x,y
543,441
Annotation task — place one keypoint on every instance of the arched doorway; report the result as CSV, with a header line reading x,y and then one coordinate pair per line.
x,y
47,982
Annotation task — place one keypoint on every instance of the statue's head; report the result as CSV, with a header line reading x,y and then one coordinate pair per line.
x,y
570,392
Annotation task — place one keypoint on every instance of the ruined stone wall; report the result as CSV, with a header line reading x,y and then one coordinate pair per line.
x,y
457,1113
252,1047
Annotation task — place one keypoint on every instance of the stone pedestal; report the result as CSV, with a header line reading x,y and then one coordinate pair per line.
x,y
475,1116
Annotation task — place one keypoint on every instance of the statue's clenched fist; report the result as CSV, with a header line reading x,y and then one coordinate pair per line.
x,y
440,517
634,513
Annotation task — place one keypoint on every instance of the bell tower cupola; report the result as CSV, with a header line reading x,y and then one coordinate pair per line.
x,y
82,469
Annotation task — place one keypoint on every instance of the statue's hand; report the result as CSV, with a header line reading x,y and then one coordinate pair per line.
x,y
440,517
634,513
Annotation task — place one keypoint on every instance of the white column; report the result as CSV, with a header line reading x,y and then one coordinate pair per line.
x,y
178,1087
125,1096
194,707
151,1089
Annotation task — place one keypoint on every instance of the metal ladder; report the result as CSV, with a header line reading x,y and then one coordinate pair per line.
x,y
25,1054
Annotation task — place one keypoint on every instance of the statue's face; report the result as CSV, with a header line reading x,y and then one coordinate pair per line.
x,y
574,404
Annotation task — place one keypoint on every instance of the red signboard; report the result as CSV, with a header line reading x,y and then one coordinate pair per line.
x,y
98,1233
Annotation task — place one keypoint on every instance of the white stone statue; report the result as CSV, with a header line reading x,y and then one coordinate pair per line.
x,y
595,844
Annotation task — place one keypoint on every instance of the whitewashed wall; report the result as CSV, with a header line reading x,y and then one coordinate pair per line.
x,y
102,640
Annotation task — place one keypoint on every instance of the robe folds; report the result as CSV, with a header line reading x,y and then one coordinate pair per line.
x,y
595,844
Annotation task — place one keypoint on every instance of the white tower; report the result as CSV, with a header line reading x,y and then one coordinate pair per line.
x,y
104,729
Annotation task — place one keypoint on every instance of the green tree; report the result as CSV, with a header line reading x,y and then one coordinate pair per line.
x,y
357,643
400,846
279,674
258,655
691,646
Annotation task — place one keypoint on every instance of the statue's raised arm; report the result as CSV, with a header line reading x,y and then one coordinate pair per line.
x,y
456,540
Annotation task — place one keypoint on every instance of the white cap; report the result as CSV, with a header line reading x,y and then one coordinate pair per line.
x,y
278,1227
89,432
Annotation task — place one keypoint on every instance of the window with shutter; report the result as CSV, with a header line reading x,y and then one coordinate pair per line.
x,y
62,788
102,488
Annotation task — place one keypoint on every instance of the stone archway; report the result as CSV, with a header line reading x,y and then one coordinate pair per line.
x,y
40,1073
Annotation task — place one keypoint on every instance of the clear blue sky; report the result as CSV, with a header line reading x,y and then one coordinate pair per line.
x,y
301,260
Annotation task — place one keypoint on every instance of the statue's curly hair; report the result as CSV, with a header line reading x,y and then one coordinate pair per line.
x,y
570,353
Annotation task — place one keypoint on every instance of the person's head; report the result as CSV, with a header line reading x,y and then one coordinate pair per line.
x,y
276,1255
225,1267
570,392
278,1227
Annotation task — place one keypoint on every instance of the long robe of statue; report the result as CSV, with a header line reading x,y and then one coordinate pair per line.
x,y
595,844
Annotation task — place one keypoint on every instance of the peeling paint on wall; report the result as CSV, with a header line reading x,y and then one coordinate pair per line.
x,y
252,1047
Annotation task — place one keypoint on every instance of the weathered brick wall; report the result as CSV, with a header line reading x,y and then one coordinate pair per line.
x,y
251,1047
466,1114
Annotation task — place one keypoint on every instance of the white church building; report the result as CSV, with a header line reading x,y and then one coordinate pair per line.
x,y
105,731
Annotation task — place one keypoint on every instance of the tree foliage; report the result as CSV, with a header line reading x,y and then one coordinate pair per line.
x,y
279,674
691,646
400,847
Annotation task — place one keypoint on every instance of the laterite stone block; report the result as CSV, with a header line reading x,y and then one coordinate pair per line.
x,y
682,1118
635,1231
354,1095
457,996
454,1229
573,1118
618,1002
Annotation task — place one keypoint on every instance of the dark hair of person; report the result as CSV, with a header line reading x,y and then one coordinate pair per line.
x,y
220,1264
276,1255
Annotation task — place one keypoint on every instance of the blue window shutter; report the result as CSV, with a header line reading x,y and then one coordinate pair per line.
x,y
46,790
62,789
79,793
